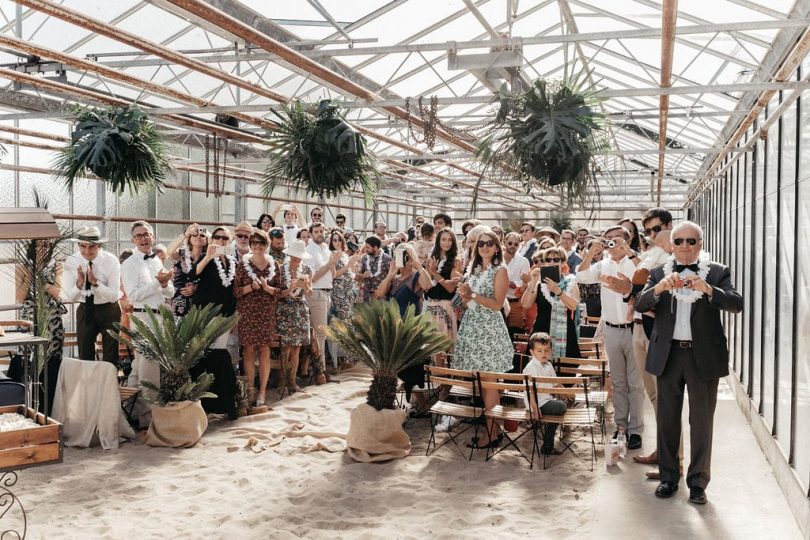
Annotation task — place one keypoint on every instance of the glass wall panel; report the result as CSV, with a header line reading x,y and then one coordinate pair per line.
x,y
770,274
756,248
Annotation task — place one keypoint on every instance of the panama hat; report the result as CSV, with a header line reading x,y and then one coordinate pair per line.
x,y
90,235
297,248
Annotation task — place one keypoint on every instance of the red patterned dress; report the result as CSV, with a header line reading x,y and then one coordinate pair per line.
x,y
257,308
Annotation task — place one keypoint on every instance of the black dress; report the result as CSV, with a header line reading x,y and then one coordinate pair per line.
x,y
543,324
210,290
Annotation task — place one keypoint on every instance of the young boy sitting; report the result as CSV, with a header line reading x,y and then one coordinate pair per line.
x,y
539,347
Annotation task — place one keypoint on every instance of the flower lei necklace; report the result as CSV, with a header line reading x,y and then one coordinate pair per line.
x,y
440,267
689,296
379,264
226,279
271,272
185,261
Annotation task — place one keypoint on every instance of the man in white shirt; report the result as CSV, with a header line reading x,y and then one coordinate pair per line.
x,y
516,266
290,224
147,285
614,273
657,223
323,270
529,243
92,277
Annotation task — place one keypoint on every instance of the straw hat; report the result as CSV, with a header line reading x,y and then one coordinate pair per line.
x,y
548,230
90,235
297,248
243,226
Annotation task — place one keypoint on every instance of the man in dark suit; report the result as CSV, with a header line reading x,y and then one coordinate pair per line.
x,y
687,347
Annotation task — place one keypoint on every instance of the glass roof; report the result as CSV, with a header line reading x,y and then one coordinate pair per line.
x,y
397,49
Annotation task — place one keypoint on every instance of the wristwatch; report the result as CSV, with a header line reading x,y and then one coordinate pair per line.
x,y
474,296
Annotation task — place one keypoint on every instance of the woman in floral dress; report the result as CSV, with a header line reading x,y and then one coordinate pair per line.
x,y
344,292
483,341
292,310
256,287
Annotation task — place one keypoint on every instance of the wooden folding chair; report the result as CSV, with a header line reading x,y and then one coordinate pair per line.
x,y
511,385
596,370
573,417
453,378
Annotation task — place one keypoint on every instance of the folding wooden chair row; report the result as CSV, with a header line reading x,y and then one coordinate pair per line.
x,y
465,383
594,369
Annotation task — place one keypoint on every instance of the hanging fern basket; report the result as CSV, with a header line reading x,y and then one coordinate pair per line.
x,y
546,137
120,146
320,153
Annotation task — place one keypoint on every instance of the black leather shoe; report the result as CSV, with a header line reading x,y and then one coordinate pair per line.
x,y
634,443
665,490
697,495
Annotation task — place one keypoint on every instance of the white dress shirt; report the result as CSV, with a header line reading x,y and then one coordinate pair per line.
x,y
683,315
290,232
320,258
614,308
517,266
536,368
107,271
653,257
138,276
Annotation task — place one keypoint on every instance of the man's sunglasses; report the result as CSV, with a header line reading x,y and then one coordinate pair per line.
x,y
513,243
242,236
487,243
656,229
690,241
317,215
220,237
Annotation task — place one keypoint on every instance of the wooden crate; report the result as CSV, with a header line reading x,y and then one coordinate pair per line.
x,y
29,447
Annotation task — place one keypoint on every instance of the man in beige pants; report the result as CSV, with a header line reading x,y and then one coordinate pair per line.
x,y
323,269
657,224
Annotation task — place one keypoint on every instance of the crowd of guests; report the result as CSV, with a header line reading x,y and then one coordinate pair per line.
x,y
481,285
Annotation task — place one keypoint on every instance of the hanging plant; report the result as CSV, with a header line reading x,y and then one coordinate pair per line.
x,y
320,153
120,146
546,137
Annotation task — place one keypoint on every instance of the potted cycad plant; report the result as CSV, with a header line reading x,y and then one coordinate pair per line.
x,y
386,341
176,345
320,152
121,146
547,137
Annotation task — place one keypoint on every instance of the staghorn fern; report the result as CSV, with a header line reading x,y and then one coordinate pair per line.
x,y
387,342
320,153
120,146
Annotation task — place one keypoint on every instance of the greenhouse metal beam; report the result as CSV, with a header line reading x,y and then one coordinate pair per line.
x,y
669,17
585,37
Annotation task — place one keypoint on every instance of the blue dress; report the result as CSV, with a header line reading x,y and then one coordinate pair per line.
x,y
483,342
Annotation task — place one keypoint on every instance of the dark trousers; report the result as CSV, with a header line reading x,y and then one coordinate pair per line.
x,y
554,407
88,329
681,372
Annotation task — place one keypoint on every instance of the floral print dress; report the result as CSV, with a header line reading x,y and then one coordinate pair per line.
x,y
257,309
343,291
292,312
483,341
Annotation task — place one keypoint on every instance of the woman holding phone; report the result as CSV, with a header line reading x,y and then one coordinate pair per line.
x,y
555,292
189,249
216,272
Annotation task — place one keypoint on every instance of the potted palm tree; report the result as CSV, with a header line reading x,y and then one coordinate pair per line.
x,y
386,341
547,137
320,152
121,146
176,345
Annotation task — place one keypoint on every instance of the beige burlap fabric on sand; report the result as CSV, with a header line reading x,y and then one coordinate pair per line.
x,y
377,435
177,425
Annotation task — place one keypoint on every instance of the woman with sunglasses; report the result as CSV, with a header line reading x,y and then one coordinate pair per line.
x,y
256,288
292,311
557,303
440,283
483,342
344,293
216,273
635,239
187,252
265,222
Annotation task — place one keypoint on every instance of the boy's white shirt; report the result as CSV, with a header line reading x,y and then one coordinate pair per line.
x,y
536,368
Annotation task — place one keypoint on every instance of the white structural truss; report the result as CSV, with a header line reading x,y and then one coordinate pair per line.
x,y
681,78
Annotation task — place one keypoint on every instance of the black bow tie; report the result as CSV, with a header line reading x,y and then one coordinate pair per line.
x,y
150,256
682,267
290,227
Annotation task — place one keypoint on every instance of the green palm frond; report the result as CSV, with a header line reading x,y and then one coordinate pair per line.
x,y
546,137
321,153
120,146
176,345
385,341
